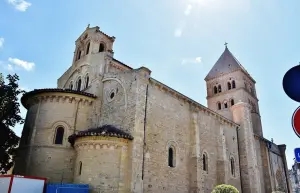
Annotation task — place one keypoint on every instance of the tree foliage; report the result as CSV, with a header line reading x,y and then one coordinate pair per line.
x,y
224,188
9,117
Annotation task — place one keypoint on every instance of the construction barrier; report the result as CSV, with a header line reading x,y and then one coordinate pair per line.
x,y
67,188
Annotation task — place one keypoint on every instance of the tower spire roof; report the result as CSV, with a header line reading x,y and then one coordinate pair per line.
x,y
225,64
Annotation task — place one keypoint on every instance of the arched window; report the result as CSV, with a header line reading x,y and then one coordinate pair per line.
x,y
233,84
79,168
87,78
229,85
219,105
219,88
59,135
101,47
245,85
232,102
71,85
78,54
215,90
225,105
204,162
171,157
88,48
79,84
232,167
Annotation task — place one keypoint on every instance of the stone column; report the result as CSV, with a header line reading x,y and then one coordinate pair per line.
x,y
266,166
282,149
247,153
222,164
195,159
138,146
124,182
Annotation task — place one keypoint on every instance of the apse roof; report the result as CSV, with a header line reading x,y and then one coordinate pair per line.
x,y
105,131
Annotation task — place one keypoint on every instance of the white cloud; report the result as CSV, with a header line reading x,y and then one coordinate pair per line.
x,y
1,42
20,5
188,9
192,61
178,32
198,60
10,67
21,63
6,66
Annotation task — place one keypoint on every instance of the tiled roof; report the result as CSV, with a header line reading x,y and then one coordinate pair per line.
x,y
110,37
47,90
226,63
122,63
105,131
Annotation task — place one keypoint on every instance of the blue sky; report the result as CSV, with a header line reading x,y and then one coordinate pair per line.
x,y
179,40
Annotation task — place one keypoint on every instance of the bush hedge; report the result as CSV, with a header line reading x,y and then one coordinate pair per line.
x,y
224,188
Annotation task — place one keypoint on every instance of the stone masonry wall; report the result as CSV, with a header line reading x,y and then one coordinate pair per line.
x,y
124,97
43,157
170,123
277,169
104,163
250,176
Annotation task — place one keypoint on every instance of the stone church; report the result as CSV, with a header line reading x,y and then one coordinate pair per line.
x,y
119,130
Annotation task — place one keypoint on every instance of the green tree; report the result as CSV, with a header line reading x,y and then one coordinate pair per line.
x,y
224,188
9,117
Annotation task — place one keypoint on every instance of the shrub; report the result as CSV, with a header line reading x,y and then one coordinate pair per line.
x,y
224,188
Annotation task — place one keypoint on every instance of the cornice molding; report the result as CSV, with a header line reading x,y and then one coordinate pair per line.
x,y
59,98
100,142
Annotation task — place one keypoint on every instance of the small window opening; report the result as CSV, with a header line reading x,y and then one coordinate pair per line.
x,y
215,90
87,81
88,48
79,84
59,135
101,47
219,88
232,167
232,102
112,95
78,54
229,85
71,86
246,85
79,168
204,162
171,157
219,106
225,105
233,84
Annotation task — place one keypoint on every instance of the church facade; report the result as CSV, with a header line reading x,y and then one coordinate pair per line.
x,y
119,130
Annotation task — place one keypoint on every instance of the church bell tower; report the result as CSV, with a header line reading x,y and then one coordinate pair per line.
x,y
227,83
